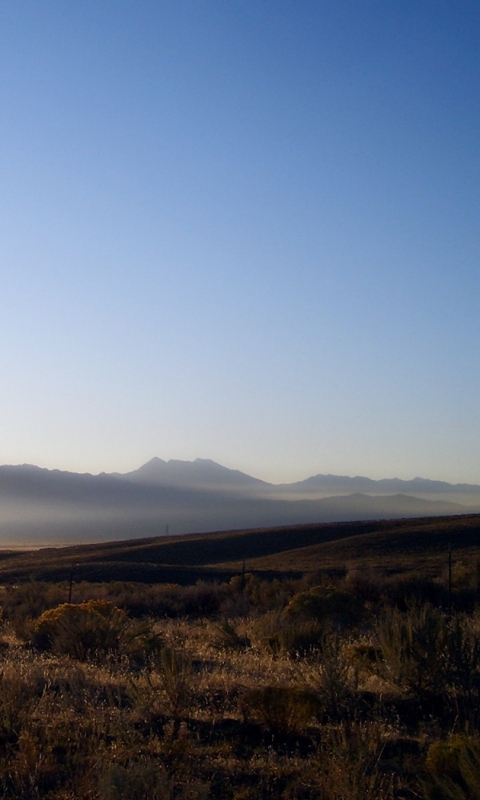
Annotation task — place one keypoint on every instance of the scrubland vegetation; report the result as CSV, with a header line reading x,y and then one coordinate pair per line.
x,y
349,685
337,688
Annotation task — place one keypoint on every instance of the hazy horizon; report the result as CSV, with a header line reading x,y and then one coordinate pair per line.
x,y
241,231
290,476
176,497
198,459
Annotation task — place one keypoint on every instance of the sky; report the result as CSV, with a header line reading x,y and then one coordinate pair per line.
x,y
244,230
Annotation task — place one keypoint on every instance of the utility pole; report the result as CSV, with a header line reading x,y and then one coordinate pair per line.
x,y
242,586
449,577
70,585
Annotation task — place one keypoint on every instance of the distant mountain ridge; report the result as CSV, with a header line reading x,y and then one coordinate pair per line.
x,y
359,483
205,472
44,506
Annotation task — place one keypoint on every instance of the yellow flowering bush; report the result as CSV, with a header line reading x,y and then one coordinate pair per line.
x,y
85,630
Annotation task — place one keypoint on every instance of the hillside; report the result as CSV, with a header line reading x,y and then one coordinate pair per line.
x,y
394,545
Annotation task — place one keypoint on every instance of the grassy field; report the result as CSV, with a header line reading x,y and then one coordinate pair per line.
x,y
328,662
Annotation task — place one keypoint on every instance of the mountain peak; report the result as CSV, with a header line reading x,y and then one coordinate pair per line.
x,y
203,473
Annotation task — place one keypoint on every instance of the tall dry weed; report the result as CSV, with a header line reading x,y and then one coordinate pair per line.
x,y
412,645
348,765
177,679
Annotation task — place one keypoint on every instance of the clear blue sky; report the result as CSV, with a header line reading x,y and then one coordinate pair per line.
x,y
245,230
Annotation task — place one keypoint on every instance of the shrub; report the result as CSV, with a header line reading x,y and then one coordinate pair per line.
x,y
226,637
92,630
348,764
453,769
23,603
147,780
298,639
281,709
406,590
331,607
412,646
331,678
462,659
140,780
366,584
281,633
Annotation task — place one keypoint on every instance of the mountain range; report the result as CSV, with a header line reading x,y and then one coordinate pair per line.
x,y
41,506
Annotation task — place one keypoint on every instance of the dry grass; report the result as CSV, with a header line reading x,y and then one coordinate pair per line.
x,y
354,689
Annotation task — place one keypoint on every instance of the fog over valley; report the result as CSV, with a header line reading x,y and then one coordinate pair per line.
x,y
40,506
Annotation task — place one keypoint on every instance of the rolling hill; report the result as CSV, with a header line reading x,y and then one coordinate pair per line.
x,y
419,544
